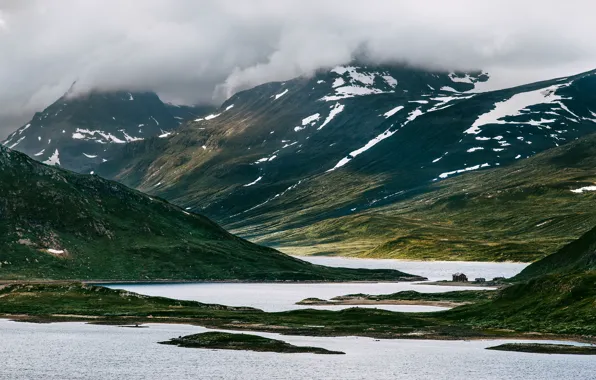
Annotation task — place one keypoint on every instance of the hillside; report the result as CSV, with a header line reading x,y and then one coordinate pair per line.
x,y
56,224
343,162
521,212
575,257
79,131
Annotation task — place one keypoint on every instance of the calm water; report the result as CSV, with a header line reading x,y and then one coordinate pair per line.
x,y
283,296
78,351
433,270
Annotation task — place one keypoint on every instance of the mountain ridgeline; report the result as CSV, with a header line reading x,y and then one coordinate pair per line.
x,y
55,224
77,132
276,160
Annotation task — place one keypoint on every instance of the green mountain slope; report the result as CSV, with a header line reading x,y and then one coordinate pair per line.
x,y
555,303
575,257
521,212
55,224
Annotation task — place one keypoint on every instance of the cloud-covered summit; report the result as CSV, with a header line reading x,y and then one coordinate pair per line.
x,y
197,51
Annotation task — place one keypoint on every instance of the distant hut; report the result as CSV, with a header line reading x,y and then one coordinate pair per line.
x,y
480,280
460,277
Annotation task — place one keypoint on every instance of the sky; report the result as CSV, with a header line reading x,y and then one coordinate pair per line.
x,y
202,51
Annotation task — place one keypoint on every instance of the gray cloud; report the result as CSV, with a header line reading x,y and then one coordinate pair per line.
x,y
193,51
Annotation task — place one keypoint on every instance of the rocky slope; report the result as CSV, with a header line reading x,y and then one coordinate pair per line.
x,y
284,156
79,132
55,224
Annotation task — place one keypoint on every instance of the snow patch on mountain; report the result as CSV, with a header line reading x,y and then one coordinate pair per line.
x,y
254,182
86,134
585,188
391,81
20,131
17,143
466,79
459,171
280,94
338,82
388,133
393,111
515,105
357,81
54,159
439,158
129,138
350,92
335,110
311,119
364,78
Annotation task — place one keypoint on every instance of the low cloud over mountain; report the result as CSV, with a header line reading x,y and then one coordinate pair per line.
x,y
203,51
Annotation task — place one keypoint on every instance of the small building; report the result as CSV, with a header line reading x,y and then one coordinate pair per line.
x,y
480,280
460,277
499,279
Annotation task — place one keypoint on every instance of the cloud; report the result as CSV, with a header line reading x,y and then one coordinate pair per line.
x,y
193,51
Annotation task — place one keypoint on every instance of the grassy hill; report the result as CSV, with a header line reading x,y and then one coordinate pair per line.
x,y
521,212
576,257
56,224
555,303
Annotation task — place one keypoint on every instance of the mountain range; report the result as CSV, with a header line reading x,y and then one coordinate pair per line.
x,y
321,164
78,131
381,161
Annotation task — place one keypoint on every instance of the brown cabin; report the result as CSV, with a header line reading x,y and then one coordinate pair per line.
x,y
460,277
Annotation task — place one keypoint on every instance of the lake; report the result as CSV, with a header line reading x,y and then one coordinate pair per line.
x,y
78,351
283,296
81,351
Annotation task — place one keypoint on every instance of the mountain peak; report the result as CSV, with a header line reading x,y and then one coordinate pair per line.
x,y
78,130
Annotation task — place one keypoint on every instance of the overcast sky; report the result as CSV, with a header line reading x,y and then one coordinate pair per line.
x,y
198,51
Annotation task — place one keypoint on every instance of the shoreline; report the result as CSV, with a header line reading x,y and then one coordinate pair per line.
x,y
407,260
100,320
364,302
461,284
168,281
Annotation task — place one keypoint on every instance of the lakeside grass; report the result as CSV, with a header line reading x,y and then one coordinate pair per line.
x,y
408,297
541,308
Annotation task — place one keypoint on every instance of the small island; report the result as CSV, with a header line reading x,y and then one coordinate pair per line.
x,y
544,348
444,299
229,341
